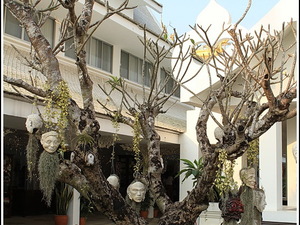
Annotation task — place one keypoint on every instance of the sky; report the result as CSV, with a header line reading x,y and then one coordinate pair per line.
x,y
180,14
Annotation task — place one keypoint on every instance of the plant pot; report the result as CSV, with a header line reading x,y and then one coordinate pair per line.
x,y
61,219
156,213
82,221
144,214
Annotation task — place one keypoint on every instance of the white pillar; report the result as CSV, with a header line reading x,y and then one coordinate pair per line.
x,y
292,164
270,164
74,209
188,150
116,60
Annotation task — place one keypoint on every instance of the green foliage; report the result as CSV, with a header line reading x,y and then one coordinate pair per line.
x,y
224,178
191,168
56,109
84,139
31,156
195,169
86,207
115,81
253,153
136,142
64,195
48,169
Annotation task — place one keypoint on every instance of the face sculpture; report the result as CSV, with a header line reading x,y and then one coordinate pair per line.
x,y
136,191
72,156
33,123
50,141
248,177
259,199
90,159
113,180
233,209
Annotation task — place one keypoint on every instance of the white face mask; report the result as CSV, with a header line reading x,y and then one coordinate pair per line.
x,y
90,159
136,191
50,141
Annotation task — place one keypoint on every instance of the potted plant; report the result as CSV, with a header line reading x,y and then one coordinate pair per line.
x,y
63,196
86,208
145,205
155,211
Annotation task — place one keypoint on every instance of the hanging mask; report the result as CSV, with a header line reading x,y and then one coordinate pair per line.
x,y
72,156
89,159
33,123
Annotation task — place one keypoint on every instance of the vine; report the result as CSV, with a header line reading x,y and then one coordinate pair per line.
x,y
136,143
253,153
224,178
116,125
56,109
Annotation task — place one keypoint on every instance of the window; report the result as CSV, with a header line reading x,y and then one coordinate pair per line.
x,y
132,69
13,27
170,83
99,53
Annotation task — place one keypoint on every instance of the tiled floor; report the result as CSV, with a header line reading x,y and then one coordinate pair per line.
x,y
49,220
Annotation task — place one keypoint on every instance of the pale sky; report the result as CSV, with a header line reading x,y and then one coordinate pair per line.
x,y
180,14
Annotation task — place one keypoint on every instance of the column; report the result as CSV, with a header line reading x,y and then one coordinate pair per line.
x,y
270,164
74,209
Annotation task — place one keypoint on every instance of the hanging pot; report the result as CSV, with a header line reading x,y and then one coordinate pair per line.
x,y
61,219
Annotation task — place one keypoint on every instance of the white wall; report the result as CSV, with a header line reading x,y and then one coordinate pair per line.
x,y
188,149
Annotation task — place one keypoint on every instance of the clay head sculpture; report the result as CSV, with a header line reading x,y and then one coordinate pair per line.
x,y
33,123
136,191
248,177
50,141
114,181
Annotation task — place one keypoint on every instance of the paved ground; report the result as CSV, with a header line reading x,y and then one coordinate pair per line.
x,y
49,220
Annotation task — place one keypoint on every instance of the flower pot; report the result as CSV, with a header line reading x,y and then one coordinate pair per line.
x,y
82,221
156,213
61,219
144,214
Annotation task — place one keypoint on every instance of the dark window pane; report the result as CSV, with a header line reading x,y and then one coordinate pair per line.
x,y
107,57
124,68
12,26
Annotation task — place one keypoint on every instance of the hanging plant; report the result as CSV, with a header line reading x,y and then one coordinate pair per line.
x,y
224,178
116,125
85,141
253,153
136,143
48,169
56,109
31,156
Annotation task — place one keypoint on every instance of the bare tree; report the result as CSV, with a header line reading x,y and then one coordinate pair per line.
x,y
249,73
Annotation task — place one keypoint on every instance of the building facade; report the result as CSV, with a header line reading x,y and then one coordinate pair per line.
x,y
115,49
277,170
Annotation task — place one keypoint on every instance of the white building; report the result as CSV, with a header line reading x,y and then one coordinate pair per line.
x,y
277,166
115,49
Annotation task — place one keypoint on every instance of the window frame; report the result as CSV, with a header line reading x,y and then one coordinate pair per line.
x,y
138,71
24,36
